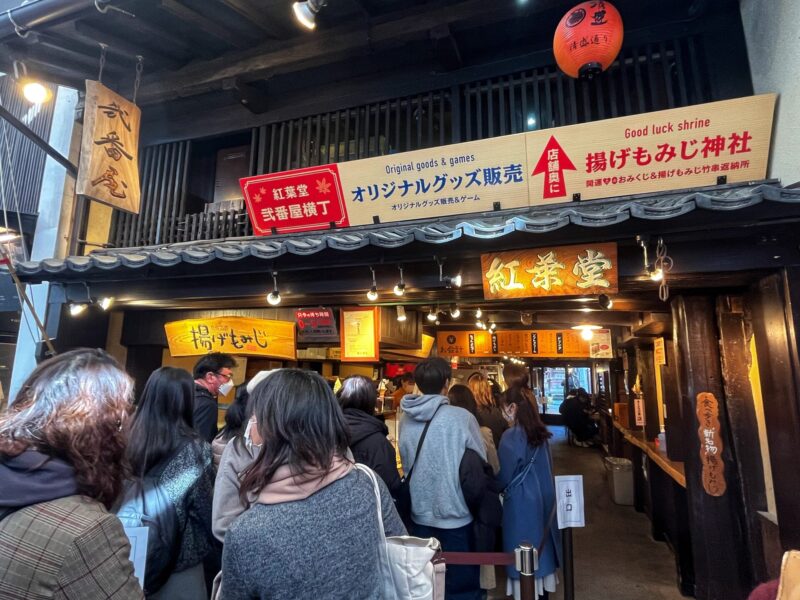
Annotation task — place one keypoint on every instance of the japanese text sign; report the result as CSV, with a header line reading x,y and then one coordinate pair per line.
x,y
109,165
659,351
233,335
316,325
558,271
651,152
710,444
359,334
569,501
543,343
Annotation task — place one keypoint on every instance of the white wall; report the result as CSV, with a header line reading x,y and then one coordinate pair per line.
x,y
772,30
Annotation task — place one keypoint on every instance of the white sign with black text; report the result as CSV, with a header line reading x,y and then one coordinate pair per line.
x,y
569,501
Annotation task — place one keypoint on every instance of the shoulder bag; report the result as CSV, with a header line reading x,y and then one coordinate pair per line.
x,y
403,495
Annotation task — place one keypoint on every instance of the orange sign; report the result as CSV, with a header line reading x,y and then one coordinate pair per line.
x,y
543,343
233,335
710,444
560,271
359,333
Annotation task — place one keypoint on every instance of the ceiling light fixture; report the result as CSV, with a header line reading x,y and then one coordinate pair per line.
x,y
372,294
400,288
105,303
306,12
33,91
492,326
478,313
455,312
450,281
605,302
77,309
274,297
587,331
432,315
401,314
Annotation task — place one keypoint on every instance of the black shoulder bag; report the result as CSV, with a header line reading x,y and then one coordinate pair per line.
x,y
403,495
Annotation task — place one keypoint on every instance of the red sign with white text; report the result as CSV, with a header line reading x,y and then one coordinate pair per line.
x,y
298,200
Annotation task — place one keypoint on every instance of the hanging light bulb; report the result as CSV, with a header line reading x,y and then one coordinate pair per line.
x,y
478,313
432,315
372,294
455,312
604,301
492,326
400,288
306,12
105,303
655,273
587,331
77,309
450,281
479,324
438,322
401,313
274,297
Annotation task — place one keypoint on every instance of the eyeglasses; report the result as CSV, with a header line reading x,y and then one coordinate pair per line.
x,y
227,376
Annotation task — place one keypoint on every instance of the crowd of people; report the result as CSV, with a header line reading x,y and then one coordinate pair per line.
x,y
272,505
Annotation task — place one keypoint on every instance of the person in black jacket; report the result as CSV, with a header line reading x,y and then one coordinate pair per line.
x,y
213,376
368,440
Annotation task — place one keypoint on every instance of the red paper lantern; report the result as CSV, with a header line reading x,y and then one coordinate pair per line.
x,y
588,38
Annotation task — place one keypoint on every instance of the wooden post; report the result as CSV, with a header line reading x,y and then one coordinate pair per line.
x,y
673,420
647,377
774,303
739,401
720,548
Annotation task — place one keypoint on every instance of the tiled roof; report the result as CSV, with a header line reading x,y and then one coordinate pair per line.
x,y
534,220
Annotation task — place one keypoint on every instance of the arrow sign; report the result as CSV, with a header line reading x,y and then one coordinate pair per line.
x,y
553,162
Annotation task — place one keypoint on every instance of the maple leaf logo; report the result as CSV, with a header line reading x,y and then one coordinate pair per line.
x,y
263,190
323,187
257,197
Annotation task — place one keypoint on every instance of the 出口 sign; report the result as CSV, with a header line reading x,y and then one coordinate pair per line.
x,y
109,165
559,271
232,335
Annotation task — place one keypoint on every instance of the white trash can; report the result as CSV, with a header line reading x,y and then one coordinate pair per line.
x,y
620,480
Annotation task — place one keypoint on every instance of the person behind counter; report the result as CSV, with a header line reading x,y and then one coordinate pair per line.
x,y
406,387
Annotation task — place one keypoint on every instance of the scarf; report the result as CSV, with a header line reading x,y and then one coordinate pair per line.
x,y
286,487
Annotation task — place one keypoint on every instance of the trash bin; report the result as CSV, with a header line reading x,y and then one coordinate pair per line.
x,y
620,480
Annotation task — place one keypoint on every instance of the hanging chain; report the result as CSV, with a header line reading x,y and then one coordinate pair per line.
x,y
139,69
664,263
103,48
22,32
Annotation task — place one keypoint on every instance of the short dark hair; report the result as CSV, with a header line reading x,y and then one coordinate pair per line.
x,y
432,374
407,378
212,363
358,392
236,415
460,395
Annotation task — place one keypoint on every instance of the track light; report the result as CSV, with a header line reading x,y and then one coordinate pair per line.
x,y
455,312
306,12
77,309
432,315
604,301
400,288
478,313
479,324
372,294
105,303
450,281
401,313
274,297
492,326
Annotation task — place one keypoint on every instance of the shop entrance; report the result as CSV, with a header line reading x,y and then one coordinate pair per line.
x,y
552,384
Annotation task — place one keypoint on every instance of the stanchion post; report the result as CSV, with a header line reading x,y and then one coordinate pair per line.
x,y
527,563
569,566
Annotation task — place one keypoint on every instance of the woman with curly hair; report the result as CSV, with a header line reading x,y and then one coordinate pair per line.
x,y
62,464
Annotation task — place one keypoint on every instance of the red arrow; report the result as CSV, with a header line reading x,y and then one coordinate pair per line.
x,y
553,162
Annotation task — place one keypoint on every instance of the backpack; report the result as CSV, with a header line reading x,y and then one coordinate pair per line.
x,y
145,503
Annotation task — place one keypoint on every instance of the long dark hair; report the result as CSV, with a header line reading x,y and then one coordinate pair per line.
x,y
460,395
163,419
358,392
74,407
527,415
301,424
237,416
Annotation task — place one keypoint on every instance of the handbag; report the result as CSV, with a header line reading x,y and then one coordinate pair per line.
x,y
409,570
403,494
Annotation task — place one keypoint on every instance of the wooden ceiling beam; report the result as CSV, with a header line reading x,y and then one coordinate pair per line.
x,y
194,19
122,47
321,47
258,17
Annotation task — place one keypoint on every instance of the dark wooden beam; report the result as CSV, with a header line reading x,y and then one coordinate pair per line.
x,y
41,143
720,547
647,379
446,47
194,19
673,411
122,47
320,47
258,16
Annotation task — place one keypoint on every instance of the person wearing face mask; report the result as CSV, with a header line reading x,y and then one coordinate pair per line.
x,y
213,376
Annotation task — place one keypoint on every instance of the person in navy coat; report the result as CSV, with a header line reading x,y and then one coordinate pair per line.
x,y
529,491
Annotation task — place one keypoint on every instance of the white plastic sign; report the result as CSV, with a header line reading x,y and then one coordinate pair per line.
x,y
569,499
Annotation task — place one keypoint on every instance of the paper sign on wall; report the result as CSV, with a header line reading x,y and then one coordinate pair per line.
x,y
569,501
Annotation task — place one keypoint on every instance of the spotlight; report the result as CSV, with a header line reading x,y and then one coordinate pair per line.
x,y
605,302
479,324
492,326
372,294
35,92
438,322
274,297
450,281
306,12
478,313
77,309
655,273
105,303
455,312
400,288
432,315
401,314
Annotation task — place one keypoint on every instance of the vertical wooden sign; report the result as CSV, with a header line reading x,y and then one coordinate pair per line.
x,y
710,444
109,164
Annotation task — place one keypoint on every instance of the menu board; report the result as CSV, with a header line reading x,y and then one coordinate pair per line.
x,y
359,334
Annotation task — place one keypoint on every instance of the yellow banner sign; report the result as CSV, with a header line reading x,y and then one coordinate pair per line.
x,y
558,271
109,166
542,343
233,335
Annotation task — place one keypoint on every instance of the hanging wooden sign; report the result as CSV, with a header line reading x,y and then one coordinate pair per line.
x,y
109,165
711,444
232,335
557,271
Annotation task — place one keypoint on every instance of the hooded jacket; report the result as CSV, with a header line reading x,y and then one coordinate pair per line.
x,y
33,477
436,495
370,446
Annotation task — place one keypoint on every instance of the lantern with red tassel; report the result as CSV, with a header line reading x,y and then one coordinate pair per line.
x,y
588,39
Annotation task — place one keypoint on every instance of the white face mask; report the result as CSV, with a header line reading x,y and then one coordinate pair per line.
x,y
225,388
248,437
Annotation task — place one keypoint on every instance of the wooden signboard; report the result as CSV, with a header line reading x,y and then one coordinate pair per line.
x,y
233,335
710,444
360,329
543,343
659,352
109,165
558,271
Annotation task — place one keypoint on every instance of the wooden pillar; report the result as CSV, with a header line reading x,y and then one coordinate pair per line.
x,y
720,548
645,367
673,419
774,303
739,402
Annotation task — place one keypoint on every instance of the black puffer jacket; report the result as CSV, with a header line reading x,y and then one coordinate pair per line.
x,y
370,446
